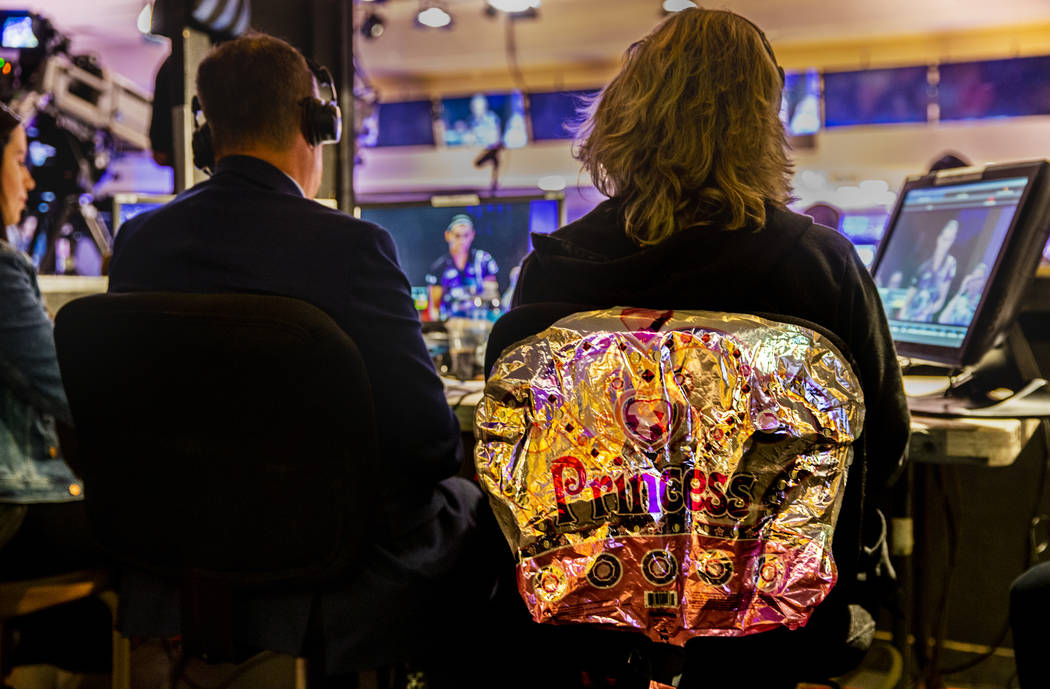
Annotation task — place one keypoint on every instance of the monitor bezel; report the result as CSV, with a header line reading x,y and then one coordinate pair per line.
x,y
1009,276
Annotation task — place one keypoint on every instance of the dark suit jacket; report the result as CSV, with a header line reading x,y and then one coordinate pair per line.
x,y
249,229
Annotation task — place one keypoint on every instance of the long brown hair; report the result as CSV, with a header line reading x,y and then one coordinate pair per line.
x,y
689,133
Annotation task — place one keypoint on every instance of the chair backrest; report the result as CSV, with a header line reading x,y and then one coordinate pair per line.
x,y
229,437
677,472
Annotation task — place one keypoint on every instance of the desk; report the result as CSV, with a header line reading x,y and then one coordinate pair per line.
x,y
59,289
977,441
936,440
963,508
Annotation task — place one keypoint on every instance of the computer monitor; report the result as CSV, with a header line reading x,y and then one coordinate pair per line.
x,y
502,228
957,254
127,206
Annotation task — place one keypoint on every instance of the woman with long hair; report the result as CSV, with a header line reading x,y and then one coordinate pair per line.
x,y
31,394
43,529
687,143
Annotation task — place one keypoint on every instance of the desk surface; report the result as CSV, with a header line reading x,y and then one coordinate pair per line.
x,y
59,289
934,439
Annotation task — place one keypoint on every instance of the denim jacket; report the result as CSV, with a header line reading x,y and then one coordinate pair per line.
x,y
31,392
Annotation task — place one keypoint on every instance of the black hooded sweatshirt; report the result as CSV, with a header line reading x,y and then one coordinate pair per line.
x,y
791,267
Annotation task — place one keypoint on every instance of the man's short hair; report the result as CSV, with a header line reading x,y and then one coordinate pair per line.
x,y
252,90
460,219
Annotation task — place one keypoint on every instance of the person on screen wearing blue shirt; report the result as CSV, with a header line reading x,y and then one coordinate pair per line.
x,y
929,288
460,275
484,124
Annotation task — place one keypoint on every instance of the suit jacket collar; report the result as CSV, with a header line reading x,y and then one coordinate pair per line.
x,y
259,172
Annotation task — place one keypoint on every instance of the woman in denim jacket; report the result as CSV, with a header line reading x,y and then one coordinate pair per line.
x,y
41,516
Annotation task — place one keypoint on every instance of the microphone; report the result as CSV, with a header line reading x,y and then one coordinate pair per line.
x,y
489,155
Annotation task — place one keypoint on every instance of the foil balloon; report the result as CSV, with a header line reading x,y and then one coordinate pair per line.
x,y
679,473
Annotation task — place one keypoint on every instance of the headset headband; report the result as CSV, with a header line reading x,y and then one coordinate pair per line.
x,y
767,45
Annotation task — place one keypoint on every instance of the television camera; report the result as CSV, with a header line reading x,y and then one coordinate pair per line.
x,y
78,115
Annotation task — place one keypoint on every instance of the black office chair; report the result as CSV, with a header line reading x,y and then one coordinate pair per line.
x,y
840,630
226,443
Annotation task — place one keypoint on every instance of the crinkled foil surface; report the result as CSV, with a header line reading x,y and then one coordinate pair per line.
x,y
678,472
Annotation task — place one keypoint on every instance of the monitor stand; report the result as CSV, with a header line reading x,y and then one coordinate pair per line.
x,y
1006,383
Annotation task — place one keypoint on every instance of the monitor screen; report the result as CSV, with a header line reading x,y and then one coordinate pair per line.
x,y
876,96
127,206
864,229
553,113
16,30
800,107
425,235
410,123
485,119
994,88
957,255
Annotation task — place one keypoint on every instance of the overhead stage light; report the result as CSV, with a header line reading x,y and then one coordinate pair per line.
x,y
433,15
678,5
373,26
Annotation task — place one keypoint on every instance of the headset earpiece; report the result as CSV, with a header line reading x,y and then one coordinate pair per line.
x,y
322,119
200,143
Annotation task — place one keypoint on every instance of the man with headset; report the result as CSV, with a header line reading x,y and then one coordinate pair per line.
x,y
252,227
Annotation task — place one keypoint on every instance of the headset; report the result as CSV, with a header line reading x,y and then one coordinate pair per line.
x,y
768,47
322,121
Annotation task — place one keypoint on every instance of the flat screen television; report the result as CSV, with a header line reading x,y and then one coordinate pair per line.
x,y
957,254
876,96
485,120
553,112
800,106
994,88
408,123
501,225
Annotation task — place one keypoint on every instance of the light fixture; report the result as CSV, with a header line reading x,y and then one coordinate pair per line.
x,y
145,18
373,26
514,6
677,5
551,183
433,15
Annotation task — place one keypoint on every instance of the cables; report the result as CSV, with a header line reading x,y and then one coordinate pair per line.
x,y
512,55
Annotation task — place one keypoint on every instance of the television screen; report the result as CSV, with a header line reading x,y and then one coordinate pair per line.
x,y
495,233
875,96
16,31
800,107
994,88
410,123
485,119
956,257
553,113
127,206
